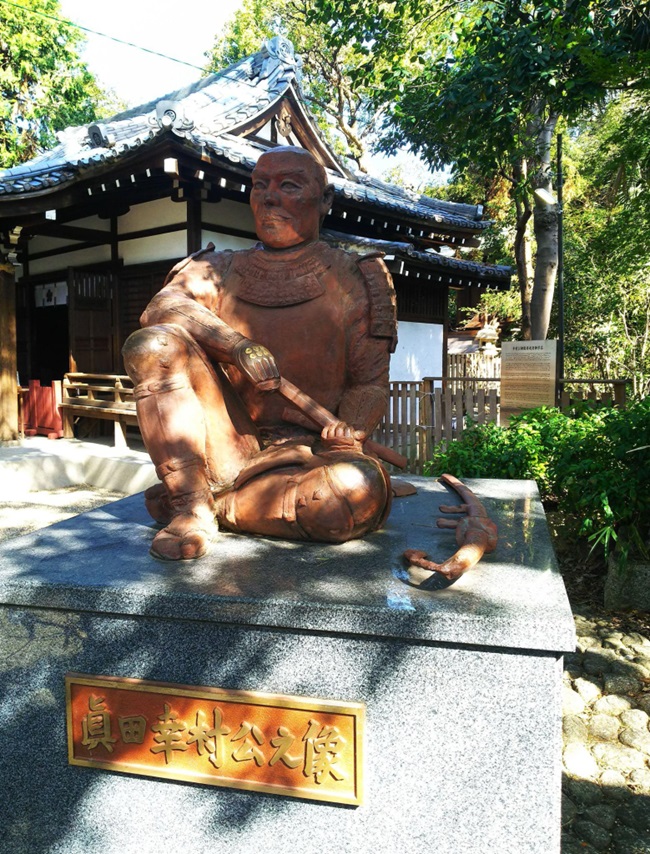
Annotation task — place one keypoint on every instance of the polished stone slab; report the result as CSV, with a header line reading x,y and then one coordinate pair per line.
x,y
462,748
461,686
514,598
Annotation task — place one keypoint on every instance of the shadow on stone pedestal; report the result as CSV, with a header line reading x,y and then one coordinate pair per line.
x,y
461,686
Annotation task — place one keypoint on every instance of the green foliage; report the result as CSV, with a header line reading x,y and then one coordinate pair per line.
x,y
253,23
483,92
44,85
502,308
474,187
491,451
593,465
607,257
486,87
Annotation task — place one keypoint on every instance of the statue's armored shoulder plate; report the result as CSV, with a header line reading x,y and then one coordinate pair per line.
x,y
381,297
220,261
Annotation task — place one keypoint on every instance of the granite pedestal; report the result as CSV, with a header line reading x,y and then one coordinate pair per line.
x,y
462,686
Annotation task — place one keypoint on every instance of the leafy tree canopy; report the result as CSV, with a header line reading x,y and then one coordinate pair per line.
x,y
485,75
607,281
485,88
44,86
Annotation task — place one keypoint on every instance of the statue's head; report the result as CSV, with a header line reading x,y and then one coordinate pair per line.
x,y
290,197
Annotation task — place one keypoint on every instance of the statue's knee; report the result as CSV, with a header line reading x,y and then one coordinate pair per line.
x,y
342,500
152,351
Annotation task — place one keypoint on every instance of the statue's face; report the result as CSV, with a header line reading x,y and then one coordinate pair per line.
x,y
288,199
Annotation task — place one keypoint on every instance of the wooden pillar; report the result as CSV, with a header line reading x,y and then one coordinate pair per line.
x,y
8,363
194,225
116,296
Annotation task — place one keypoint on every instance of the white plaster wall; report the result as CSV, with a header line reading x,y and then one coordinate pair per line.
x,y
92,222
225,241
151,215
234,214
174,245
45,244
157,248
74,258
159,212
419,351
94,255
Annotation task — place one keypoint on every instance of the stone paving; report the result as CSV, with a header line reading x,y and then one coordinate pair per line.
x,y
40,508
606,755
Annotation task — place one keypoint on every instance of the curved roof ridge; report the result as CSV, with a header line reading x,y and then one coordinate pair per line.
x,y
209,115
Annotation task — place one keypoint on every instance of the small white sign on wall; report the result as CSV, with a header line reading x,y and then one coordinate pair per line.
x,y
46,296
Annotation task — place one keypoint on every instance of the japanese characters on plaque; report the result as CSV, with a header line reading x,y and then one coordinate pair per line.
x,y
296,746
528,374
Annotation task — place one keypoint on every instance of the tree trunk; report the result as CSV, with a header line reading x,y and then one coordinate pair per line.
x,y
523,255
545,224
8,367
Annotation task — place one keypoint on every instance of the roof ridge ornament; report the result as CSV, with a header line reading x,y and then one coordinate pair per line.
x,y
99,136
276,52
170,115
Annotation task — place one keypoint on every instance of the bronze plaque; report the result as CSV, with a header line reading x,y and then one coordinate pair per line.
x,y
296,746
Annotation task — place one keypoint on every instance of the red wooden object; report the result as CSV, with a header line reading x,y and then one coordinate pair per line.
x,y
41,408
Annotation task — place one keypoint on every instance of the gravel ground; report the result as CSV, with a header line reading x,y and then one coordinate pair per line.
x,y
606,756
606,699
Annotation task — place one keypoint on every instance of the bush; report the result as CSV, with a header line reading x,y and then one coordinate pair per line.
x,y
594,466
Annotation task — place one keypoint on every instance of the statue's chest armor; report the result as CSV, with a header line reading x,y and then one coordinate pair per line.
x,y
294,312
302,321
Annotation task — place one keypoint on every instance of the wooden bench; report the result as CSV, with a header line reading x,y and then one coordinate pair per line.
x,y
107,397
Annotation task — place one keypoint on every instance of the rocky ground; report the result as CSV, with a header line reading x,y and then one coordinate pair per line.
x,y
606,706
606,713
606,717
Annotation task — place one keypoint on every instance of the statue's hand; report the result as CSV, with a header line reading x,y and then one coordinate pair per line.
x,y
339,436
258,364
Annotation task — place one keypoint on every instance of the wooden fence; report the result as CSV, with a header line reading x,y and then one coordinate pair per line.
x,y
479,369
423,414
601,392
420,415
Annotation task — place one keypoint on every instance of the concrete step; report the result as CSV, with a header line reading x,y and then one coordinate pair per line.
x,y
39,463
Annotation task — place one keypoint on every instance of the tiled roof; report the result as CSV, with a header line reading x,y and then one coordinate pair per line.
x,y
207,115
491,274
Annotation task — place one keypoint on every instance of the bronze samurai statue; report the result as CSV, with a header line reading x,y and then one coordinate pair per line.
x,y
225,338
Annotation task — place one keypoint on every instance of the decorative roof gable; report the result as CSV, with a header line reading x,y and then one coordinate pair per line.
x,y
224,113
223,123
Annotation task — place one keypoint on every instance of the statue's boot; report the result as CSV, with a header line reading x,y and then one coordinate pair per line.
x,y
157,503
192,526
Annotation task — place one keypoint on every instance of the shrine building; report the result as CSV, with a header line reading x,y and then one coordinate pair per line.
x,y
89,229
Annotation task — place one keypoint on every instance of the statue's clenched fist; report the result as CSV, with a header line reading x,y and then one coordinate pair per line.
x,y
339,436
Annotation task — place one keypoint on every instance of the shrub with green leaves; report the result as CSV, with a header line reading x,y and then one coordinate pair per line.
x,y
594,466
